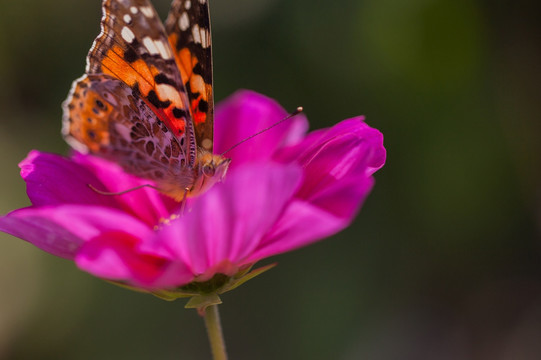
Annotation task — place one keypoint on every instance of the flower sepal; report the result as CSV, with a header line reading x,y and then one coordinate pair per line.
x,y
201,302
205,293
243,276
170,295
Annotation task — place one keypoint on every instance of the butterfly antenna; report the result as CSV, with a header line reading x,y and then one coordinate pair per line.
x,y
122,192
294,113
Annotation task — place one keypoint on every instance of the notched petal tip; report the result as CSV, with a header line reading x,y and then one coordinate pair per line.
x,y
27,164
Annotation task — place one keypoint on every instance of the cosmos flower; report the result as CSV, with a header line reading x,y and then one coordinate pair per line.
x,y
285,189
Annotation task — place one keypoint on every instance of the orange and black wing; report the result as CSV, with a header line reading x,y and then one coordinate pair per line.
x,y
188,28
104,116
133,47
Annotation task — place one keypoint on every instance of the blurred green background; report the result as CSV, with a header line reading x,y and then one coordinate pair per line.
x,y
443,261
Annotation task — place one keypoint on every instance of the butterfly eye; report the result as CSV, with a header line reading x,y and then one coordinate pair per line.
x,y
208,170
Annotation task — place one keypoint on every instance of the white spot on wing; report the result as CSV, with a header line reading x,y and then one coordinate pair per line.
x,y
184,21
205,38
202,1
188,5
196,35
127,19
157,47
201,36
127,34
164,49
151,47
134,10
147,11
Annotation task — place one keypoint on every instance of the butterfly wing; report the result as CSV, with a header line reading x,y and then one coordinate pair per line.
x,y
146,99
106,117
188,27
133,47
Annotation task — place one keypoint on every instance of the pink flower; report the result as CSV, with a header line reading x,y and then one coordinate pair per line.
x,y
284,190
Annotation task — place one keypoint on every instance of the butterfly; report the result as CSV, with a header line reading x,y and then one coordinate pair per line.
x,y
146,98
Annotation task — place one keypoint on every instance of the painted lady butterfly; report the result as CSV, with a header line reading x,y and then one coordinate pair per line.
x,y
146,99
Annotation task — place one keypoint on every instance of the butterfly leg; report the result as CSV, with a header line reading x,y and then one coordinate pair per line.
x,y
183,202
122,192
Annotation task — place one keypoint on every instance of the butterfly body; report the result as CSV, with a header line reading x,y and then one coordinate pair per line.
x,y
146,100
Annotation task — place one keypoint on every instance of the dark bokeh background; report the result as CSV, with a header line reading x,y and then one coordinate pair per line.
x,y
444,259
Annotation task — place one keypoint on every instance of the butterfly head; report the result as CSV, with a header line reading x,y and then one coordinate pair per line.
x,y
210,169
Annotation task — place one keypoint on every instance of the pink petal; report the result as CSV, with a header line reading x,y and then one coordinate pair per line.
x,y
61,230
349,146
305,222
35,227
53,180
227,223
350,149
301,224
244,114
337,165
116,255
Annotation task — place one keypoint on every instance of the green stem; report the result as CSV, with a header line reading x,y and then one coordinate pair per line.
x,y
214,331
